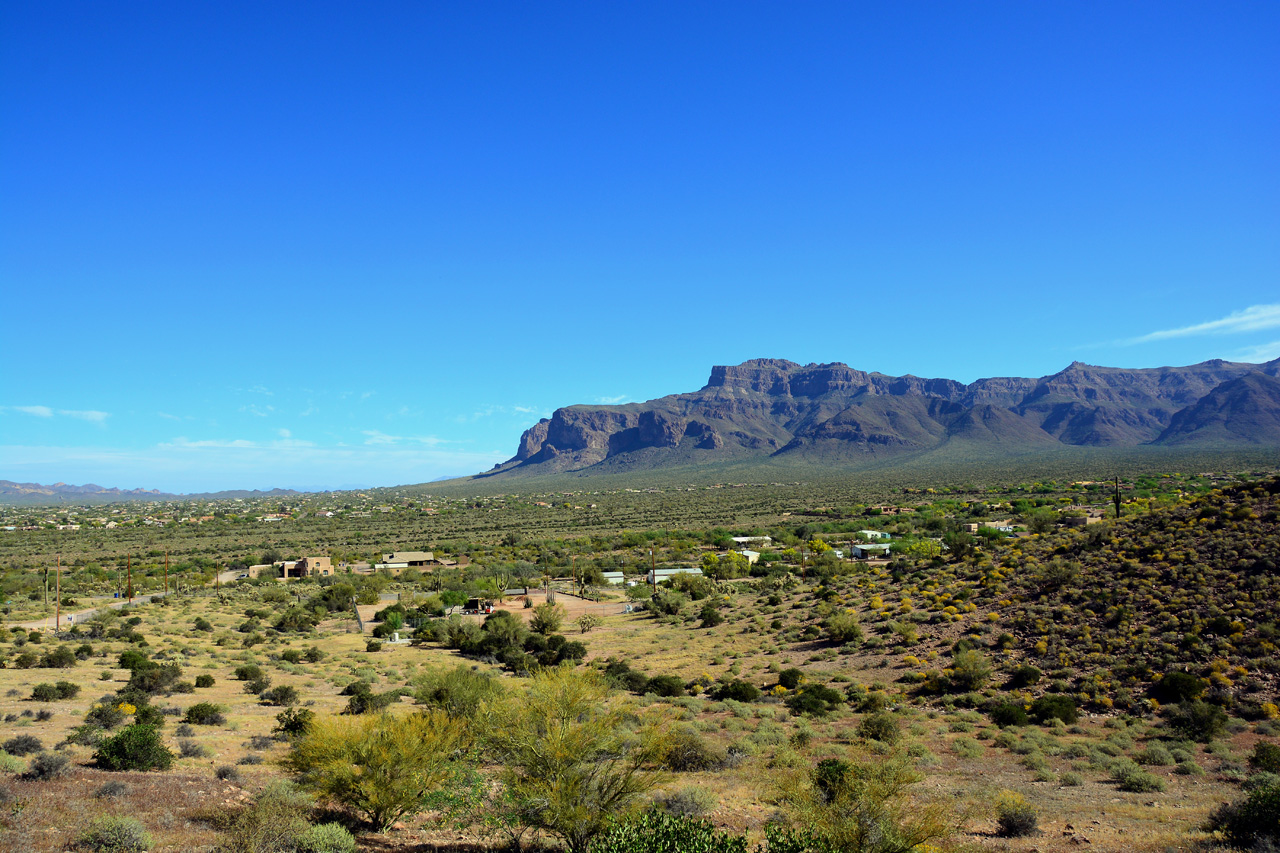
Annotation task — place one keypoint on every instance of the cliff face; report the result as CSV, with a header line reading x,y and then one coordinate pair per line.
x,y
834,412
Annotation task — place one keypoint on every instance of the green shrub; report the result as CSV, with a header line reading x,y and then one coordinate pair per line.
x,y
115,835
294,722
204,681
1016,820
1177,687
205,714
1053,706
285,694
690,752
1266,757
737,690
882,726
654,830
1008,714
791,678
689,801
248,672
1197,720
274,821
1023,676
815,699
1070,780
667,685
1156,755
136,747
1252,823
325,838
1129,777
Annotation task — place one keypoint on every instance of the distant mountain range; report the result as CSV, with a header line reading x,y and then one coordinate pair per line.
x,y
832,414
58,493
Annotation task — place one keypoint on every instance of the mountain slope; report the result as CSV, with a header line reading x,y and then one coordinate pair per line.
x,y
832,414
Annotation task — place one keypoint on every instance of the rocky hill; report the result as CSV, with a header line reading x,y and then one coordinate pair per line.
x,y
835,414
90,493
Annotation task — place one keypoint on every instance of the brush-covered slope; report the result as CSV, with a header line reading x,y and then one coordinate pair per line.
x,y
1189,588
832,414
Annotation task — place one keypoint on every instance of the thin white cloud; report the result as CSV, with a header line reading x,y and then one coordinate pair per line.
x,y
90,415
612,401
1252,319
284,433
258,411
1259,354
93,417
374,438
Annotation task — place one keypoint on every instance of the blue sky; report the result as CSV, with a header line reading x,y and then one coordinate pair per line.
x,y
321,244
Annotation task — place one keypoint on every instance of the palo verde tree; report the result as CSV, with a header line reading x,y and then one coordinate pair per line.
x,y
569,762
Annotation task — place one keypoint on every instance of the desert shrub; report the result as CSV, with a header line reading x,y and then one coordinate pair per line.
x,y
1197,720
1128,776
1008,714
201,624
667,685
737,690
657,830
188,748
257,685
970,670
1070,780
313,655
134,660
373,646
111,790
248,672
205,714
967,747
59,658
156,679
1177,687
136,747
843,628
1155,755
384,767
325,838
47,765
44,693
1016,819
882,726
1252,823
364,701
690,752
204,681
1054,706
791,678
274,821
284,694
548,617
22,745
461,691
44,714
689,801
1023,676
115,835
227,773
293,722
815,699
1266,757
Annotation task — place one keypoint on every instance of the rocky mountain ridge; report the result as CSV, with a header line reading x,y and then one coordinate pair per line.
x,y
839,414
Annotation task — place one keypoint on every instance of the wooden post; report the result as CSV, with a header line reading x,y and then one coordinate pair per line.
x,y
129,588
166,572
57,619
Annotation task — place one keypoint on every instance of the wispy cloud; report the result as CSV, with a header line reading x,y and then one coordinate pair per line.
x,y
1252,319
380,439
1259,354
258,411
90,415
490,411
612,401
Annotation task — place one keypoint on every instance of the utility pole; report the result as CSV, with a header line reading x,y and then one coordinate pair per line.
x,y
1117,496
57,619
166,572
653,569
129,588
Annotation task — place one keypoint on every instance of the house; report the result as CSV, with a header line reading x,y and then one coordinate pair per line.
x,y
873,534
656,575
613,578
313,567
747,540
867,552
407,559
753,557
